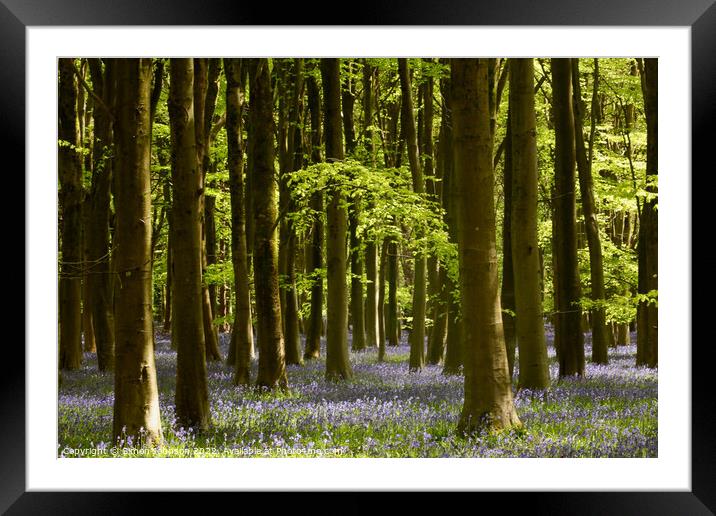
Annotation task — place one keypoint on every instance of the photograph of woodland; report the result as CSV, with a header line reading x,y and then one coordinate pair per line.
x,y
357,257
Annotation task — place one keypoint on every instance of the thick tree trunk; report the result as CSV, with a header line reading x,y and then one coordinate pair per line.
x,y
648,313
568,337
136,397
315,263
272,363
192,403
534,369
488,392
338,366
90,345
417,335
70,200
600,340
242,339
100,282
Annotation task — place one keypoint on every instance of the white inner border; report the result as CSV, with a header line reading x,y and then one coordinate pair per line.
x,y
671,470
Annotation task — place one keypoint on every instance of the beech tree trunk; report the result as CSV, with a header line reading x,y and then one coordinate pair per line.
x,y
600,340
568,336
488,392
417,335
338,366
534,369
242,339
315,324
136,397
648,313
372,317
100,282
70,200
192,402
507,292
201,95
272,362
453,343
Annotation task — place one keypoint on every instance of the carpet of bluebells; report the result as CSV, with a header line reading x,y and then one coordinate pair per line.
x,y
385,411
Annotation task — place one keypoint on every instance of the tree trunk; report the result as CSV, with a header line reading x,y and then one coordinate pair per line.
x,y
192,403
338,366
647,313
568,332
315,263
136,397
70,200
391,325
453,343
600,340
100,281
507,292
417,335
272,365
201,88
242,339
534,369
372,318
90,345
488,392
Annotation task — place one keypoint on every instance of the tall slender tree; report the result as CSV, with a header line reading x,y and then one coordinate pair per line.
x,y
417,335
192,398
98,224
315,263
70,199
534,370
136,397
272,362
600,339
242,332
647,312
338,366
568,337
488,392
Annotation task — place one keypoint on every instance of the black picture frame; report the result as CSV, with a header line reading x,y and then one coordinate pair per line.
x,y
700,15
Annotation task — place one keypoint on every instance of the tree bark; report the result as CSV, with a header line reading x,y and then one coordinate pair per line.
x,y
70,200
100,280
600,340
272,363
192,403
648,313
534,369
507,292
315,326
568,337
201,103
488,392
136,401
453,343
242,339
338,366
417,335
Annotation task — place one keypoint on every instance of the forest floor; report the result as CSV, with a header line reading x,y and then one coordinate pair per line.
x,y
385,411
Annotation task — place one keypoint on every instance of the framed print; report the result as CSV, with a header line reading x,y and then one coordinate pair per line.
x,y
40,468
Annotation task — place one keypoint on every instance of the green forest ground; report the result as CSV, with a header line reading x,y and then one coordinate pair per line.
x,y
384,412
